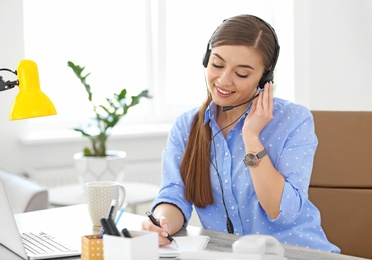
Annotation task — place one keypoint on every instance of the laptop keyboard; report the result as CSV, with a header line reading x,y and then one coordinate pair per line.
x,y
43,243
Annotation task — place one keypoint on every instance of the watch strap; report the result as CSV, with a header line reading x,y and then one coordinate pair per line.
x,y
261,154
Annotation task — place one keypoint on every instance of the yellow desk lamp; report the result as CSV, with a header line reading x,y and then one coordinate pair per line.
x,y
30,101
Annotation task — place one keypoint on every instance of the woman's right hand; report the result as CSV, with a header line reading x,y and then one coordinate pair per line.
x,y
162,231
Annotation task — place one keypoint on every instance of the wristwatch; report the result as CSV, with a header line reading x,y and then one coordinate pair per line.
x,y
252,159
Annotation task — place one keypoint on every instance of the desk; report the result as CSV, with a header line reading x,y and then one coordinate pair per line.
x,y
71,194
76,222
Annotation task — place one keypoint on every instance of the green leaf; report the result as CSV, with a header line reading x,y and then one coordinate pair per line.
x,y
106,115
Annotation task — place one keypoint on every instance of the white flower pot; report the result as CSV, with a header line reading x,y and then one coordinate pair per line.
x,y
97,168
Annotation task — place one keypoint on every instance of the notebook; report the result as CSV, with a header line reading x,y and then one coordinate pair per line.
x,y
185,244
11,238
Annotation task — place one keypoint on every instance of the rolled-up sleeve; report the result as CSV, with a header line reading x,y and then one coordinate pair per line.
x,y
295,163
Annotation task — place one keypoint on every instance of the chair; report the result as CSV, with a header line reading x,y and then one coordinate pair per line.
x,y
24,195
341,183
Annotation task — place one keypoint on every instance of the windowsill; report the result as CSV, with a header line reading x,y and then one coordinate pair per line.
x,y
56,136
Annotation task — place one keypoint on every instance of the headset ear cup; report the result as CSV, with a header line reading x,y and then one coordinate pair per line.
x,y
206,57
267,77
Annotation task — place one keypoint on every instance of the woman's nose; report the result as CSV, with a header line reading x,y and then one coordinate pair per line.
x,y
225,78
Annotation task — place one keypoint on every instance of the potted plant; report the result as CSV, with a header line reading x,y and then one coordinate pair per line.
x,y
107,115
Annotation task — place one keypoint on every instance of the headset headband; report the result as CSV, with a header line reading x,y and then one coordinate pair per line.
x,y
268,75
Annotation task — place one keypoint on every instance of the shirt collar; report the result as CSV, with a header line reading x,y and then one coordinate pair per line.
x,y
210,112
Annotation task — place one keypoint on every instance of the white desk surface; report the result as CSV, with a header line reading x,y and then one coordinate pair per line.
x,y
74,221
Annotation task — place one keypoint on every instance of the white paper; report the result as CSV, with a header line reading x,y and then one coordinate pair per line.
x,y
185,244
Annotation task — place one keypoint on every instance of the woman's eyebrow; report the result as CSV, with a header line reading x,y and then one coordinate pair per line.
x,y
241,65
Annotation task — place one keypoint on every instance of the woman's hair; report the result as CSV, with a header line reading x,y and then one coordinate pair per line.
x,y
246,30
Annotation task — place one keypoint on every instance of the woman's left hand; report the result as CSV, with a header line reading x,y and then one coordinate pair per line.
x,y
261,113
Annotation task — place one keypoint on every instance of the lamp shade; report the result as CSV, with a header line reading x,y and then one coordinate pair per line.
x,y
30,101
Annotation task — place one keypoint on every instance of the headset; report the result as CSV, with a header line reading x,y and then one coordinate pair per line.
x,y
266,77
269,74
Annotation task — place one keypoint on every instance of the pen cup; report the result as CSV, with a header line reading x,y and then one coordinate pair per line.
x,y
91,247
142,245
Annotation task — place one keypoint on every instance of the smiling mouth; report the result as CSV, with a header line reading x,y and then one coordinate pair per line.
x,y
223,92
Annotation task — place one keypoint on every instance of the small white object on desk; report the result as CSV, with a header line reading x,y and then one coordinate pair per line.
x,y
258,244
143,245
249,247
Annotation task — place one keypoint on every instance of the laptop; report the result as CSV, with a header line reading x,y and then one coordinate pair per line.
x,y
27,244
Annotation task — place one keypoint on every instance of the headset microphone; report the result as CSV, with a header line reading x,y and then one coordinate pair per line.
x,y
227,108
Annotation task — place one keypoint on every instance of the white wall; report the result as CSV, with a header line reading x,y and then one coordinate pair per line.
x,y
11,52
333,54
333,59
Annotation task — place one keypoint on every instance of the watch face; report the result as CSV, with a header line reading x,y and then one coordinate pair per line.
x,y
250,159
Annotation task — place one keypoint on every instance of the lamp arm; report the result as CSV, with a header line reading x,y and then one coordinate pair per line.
x,y
5,85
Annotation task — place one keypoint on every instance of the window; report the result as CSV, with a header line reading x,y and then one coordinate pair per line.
x,y
156,45
109,39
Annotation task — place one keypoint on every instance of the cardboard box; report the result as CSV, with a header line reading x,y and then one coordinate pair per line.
x,y
91,247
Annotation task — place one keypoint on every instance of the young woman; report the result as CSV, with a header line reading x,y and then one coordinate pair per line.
x,y
243,158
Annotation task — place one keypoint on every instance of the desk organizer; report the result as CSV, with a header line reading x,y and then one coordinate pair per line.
x,y
91,247
142,246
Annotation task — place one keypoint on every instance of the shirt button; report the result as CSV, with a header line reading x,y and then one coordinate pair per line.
x,y
232,207
226,181
226,154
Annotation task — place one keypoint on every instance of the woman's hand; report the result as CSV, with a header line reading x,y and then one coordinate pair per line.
x,y
162,231
170,219
260,115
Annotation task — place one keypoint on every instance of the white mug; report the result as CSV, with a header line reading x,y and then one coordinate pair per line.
x,y
99,196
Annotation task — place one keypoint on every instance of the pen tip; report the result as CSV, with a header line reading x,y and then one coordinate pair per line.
x,y
175,243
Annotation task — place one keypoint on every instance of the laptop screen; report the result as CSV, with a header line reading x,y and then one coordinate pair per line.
x,y
33,245
9,235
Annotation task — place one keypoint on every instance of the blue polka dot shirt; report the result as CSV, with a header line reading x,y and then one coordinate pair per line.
x,y
291,143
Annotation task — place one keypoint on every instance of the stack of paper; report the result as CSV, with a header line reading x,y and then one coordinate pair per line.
x,y
185,244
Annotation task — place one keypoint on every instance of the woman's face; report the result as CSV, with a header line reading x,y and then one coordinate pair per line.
x,y
233,74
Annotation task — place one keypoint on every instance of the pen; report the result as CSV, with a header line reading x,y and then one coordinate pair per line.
x,y
112,207
156,223
109,215
126,233
105,227
119,216
109,227
113,229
